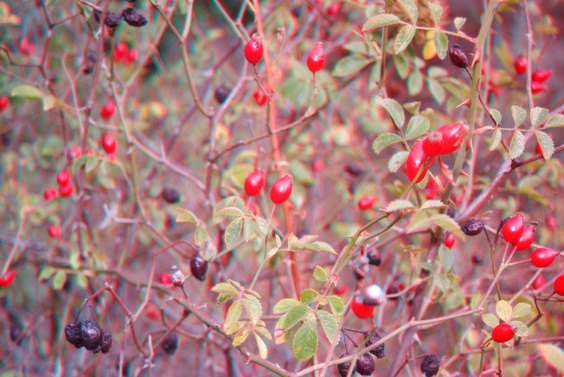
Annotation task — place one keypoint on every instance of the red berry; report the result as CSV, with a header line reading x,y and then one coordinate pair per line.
x,y
281,189
54,231
513,229
316,58
50,193
433,144
537,87
340,290
526,239
449,241
551,222
66,190
541,76
414,162
453,136
538,149
166,279
260,97
334,9
8,278
254,49
520,65
317,165
543,257
503,333
254,183
108,110
4,102
360,309
74,152
366,202
559,285
120,51
109,143
63,178
26,48
131,56
539,282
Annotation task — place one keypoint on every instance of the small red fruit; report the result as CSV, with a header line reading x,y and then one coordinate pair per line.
x,y
166,279
63,178
513,229
334,9
66,190
414,162
260,97
254,183
340,290
50,193
453,136
131,56
73,153
281,189
316,58
503,333
538,149
54,231
366,202
449,241
551,222
433,144
520,65
108,110
254,49
539,282
559,285
4,102
541,76
8,278
537,87
317,165
360,309
543,257
26,48
526,239
109,143
120,51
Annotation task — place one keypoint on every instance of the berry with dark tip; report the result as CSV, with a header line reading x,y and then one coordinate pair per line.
x,y
472,227
72,333
198,267
379,351
512,229
458,56
254,49
106,341
430,365
374,257
221,93
170,344
134,18
365,365
343,368
91,336
171,195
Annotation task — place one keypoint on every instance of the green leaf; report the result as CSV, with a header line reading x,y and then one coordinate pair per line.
x,y
82,281
496,139
241,337
350,65
459,22
235,327
490,320
436,12
522,329
225,288
429,204
411,8
521,310
503,310
323,247
441,44
46,273
519,114
319,274
186,217
404,38
397,161
442,282
291,318
417,126
233,232
253,308
394,109
336,304
233,314
308,295
437,91
305,341
517,145
261,225
285,305
209,251
380,20
248,228
402,66
399,205
263,350
28,92
262,330
496,115
553,355
201,235
557,120
230,211
415,82
59,280
446,256
546,144
538,115
448,224
329,325
384,140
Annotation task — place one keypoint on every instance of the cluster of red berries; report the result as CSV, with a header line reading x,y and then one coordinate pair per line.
x,y
65,186
538,77
279,192
125,54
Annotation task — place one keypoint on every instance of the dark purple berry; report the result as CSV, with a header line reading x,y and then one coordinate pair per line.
x,y
365,365
373,256
91,336
472,227
134,18
72,333
477,259
112,20
430,365
106,341
379,351
171,195
343,368
458,56
221,93
170,344
354,170
199,267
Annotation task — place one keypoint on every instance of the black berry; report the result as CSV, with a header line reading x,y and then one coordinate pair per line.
x,y
91,336
171,195
134,18
472,227
343,368
365,365
477,259
379,351
354,170
221,93
430,365
373,256
106,341
457,56
72,333
170,344
112,20
199,267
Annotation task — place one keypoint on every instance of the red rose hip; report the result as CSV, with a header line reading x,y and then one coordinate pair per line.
x,y
50,193
520,65
433,144
108,110
449,241
503,333
543,257
316,58
4,102
54,231
526,239
281,189
360,309
109,143
559,285
63,178
254,49
513,229
8,278
66,190
541,76
415,161
453,136
537,87
366,202
254,183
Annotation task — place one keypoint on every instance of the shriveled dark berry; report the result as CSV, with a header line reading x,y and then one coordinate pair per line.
x,y
343,368
392,290
106,341
477,259
365,365
72,333
379,351
91,336
134,18
472,227
458,56
373,256
112,20
171,195
170,344
199,267
354,170
221,93
89,64
430,365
